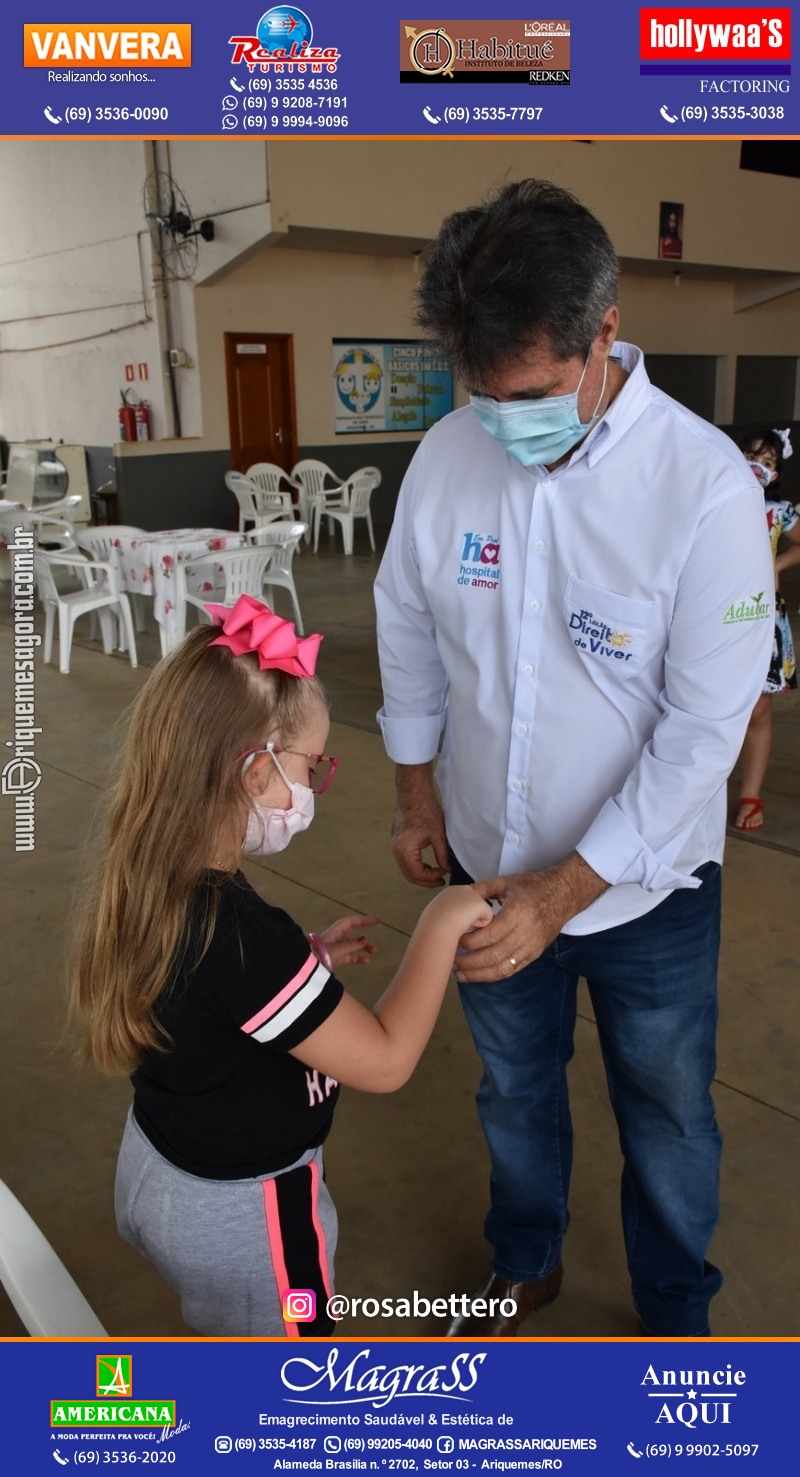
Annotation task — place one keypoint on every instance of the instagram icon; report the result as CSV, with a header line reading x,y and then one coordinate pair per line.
x,y
299,1305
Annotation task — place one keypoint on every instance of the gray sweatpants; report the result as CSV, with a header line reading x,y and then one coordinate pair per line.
x,y
232,1249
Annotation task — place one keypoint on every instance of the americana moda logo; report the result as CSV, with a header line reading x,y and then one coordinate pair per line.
x,y
113,1407
284,42
688,1397
479,565
533,52
756,608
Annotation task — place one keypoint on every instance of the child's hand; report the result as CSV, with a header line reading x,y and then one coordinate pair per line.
x,y
347,946
464,906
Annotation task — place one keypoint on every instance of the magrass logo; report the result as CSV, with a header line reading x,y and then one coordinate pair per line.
x,y
114,1407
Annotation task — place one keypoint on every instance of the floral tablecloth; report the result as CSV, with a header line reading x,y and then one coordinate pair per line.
x,y
146,563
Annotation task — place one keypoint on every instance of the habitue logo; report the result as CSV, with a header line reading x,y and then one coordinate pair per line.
x,y
715,34
532,52
120,45
113,1407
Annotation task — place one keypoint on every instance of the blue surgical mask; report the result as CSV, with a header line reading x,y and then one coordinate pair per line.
x,y
537,431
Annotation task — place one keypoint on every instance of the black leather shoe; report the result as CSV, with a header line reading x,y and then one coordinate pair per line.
x,y
528,1296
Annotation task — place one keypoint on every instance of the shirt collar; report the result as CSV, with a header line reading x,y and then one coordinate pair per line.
x,y
625,408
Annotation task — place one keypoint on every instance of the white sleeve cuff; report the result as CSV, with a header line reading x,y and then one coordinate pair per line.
x,y
617,853
411,740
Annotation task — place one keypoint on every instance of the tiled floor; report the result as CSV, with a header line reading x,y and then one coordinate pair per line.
x,y
409,1171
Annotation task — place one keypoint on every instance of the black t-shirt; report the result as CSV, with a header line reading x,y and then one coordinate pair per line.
x,y
225,1100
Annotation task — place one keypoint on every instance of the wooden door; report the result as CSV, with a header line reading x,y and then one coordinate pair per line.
x,y
260,377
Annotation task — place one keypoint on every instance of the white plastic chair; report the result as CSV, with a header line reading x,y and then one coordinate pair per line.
x,y
243,574
257,505
100,592
282,540
98,543
352,503
46,1298
309,477
272,479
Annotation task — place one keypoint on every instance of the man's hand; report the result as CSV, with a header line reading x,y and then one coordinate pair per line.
x,y
419,823
535,907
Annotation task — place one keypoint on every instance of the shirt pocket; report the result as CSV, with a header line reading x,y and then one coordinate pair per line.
x,y
613,634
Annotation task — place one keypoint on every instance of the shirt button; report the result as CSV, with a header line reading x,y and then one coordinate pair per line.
x,y
516,785
539,544
527,669
522,729
545,482
517,840
534,605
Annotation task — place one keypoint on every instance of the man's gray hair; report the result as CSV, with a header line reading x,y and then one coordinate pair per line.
x,y
530,266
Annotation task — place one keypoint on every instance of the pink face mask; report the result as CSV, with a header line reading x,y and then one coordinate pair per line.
x,y
270,830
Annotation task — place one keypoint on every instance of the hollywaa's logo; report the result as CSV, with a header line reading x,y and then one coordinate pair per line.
x,y
113,1409
361,1383
283,43
718,33
689,1396
480,561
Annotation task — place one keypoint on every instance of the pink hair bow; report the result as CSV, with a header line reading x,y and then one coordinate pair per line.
x,y
249,625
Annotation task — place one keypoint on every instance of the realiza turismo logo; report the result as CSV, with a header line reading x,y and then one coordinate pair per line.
x,y
113,1407
283,43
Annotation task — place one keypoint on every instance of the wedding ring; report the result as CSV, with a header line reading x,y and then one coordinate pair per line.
x,y
512,961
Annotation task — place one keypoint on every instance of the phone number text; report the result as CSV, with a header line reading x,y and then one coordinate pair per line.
x,y
116,115
493,115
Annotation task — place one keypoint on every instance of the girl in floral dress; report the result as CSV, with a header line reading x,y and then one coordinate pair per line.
x,y
766,450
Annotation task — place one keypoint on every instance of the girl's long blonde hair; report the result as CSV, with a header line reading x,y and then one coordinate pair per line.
x,y
177,792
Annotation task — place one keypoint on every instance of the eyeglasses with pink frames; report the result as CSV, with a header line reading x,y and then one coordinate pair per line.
x,y
322,767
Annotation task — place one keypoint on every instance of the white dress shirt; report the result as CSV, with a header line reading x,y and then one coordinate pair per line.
x,y
591,642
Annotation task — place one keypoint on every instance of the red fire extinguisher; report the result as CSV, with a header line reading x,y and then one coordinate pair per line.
x,y
127,420
141,415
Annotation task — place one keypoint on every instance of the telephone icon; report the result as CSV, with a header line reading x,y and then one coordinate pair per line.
x,y
665,113
53,117
632,1449
235,85
62,1460
431,117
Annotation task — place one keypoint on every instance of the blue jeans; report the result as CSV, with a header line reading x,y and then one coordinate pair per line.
x,y
652,984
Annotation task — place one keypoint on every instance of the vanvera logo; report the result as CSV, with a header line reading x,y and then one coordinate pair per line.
x,y
754,609
47,45
361,1383
714,34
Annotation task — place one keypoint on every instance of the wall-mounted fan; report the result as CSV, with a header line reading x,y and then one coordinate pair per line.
x,y
172,227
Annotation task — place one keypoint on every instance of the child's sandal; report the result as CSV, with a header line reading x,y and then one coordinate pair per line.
x,y
750,816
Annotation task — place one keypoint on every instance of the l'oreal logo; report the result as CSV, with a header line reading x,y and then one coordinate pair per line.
x,y
362,1383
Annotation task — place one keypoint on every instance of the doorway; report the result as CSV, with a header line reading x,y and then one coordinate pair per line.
x,y
259,370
